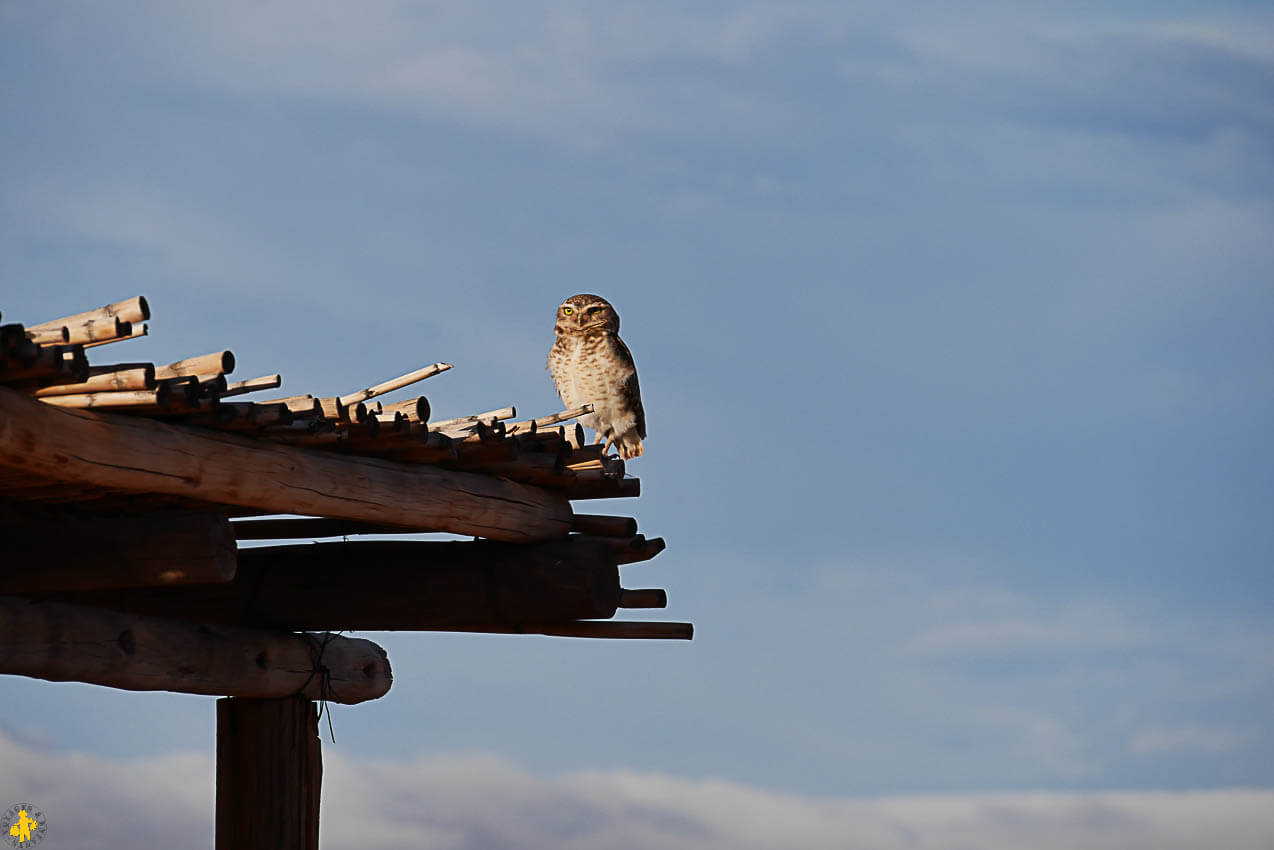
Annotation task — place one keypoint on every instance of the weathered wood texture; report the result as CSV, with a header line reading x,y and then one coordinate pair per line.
x,y
62,642
393,585
269,774
143,456
49,551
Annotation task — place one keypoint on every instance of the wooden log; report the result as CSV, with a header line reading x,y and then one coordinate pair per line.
x,y
252,385
468,423
605,526
49,551
392,585
133,310
334,409
533,425
593,484
136,332
415,409
12,338
158,399
289,399
643,598
52,335
395,383
311,527
612,629
269,774
306,405
210,385
139,455
100,330
243,415
218,362
121,376
628,551
29,363
61,642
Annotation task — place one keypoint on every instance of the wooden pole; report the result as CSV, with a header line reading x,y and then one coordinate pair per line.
x,y
395,383
136,332
393,585
269,774
218,362
62,642
265,382
646,597
132,310
124,376
139,455
50,551
605,526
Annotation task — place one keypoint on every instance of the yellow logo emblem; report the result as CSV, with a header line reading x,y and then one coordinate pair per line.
x,y
23,826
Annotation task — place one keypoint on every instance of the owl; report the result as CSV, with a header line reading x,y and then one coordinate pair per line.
x,y
591,365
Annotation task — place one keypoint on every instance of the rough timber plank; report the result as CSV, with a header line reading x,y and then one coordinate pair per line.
x,y
75,643
51,551
134,454
393,585
269,773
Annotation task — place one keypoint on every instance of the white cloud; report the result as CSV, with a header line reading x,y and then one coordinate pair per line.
x,y
458,803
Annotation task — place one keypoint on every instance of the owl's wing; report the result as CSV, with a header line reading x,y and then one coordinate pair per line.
x,y
633,393
630,390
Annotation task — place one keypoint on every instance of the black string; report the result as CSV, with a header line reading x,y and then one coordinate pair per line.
x,y
318,646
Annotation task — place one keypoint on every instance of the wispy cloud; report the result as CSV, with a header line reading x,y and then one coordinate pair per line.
x,y
465,803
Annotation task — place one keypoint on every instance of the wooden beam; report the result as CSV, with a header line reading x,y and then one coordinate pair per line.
x,y
252,385
393,585
139,455
605,526
394,383
136,332
643,598
269,774
132,310
105,323
47,551
62,642
218,362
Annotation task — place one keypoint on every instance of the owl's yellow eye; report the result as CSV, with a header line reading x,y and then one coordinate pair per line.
x,y
592,311
566,311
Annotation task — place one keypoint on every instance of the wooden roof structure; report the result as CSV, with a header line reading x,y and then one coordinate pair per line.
x,y
127,487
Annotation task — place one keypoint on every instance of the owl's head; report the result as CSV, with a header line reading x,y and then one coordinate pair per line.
x,y
581,313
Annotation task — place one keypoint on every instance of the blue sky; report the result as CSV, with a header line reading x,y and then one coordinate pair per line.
x,y
953,324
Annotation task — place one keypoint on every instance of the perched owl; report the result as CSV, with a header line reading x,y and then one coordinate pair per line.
x,y
591,365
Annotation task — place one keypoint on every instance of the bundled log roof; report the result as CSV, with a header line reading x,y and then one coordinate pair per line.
x,y
125,486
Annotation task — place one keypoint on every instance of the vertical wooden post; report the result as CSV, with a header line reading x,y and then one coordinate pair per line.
x,y
269,771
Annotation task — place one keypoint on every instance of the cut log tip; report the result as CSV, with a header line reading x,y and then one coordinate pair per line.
x,y
643,598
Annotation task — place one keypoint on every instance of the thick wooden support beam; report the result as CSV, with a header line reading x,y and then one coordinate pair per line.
x,y
61,642
605,526
269,774
47,551
138,455
393,585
